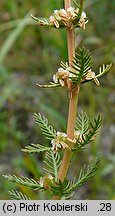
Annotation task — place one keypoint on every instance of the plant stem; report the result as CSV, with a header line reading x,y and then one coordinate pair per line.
x,y
70,133
70,36
73,100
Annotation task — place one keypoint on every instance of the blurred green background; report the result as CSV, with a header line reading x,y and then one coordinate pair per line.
x,y
30,54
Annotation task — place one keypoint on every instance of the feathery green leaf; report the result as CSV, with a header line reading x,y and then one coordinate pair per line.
x,y
90,135
35,148
93,130
82,123
17,195
66,189
52,162
85,174
81,65
29,182
103,70
46,129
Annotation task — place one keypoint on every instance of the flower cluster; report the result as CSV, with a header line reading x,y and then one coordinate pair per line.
x,y
65,76
78,135
60,142
67,18
46,180
91,75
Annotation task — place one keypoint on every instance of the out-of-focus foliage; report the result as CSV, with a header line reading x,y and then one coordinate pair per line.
x,y
27,52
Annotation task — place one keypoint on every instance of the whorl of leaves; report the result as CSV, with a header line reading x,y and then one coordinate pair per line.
x,y
61,189
66,189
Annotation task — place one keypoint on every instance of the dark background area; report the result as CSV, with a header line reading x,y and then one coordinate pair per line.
x,y
30,54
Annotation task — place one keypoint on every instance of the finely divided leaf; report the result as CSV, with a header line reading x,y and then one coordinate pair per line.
x,y
46,129
29,182
93,130
90,135
17,195
81,64
104,69
66,189
85,174
35,148
82,123
52,163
